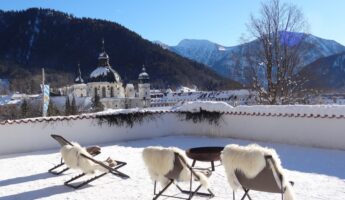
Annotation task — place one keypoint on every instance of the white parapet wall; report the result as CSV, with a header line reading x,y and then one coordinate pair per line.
x,y
23,137
281,125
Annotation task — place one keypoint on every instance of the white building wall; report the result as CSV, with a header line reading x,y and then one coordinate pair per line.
x,y
144,90
79,90
111,103
130,91
117,88
145,94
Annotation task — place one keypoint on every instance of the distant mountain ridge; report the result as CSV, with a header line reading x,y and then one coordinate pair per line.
x,y
36,38
226,60
326,73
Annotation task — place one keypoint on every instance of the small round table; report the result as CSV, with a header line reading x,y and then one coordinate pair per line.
x,y
205,154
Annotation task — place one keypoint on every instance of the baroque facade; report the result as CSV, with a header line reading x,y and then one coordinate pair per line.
x,y
106,83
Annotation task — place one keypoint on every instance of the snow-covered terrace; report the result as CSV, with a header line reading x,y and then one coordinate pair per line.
x,y
296,132
318,173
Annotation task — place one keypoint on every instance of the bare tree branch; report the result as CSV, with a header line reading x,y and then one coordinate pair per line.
x,y
279,30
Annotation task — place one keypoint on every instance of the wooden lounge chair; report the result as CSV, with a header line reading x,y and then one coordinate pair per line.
x,y
77,157
94,151
168,165
261,171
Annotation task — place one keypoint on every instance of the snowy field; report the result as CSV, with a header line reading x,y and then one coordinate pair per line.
x,y
317,173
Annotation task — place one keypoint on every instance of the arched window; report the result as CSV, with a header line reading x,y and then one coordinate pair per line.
x,y
111,91
103,92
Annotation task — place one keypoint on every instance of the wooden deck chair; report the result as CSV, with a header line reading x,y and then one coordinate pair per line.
x,y
168,166
261,171
76,157
94,151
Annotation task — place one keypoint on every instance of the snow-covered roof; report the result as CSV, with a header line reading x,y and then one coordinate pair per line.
x,y
185,89
103,55
143,75
129,85
104,74
78,80
99,71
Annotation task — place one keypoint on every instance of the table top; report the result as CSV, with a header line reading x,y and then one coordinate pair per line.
x,y
206,154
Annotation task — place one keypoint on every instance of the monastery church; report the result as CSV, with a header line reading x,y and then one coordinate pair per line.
x,y
106,83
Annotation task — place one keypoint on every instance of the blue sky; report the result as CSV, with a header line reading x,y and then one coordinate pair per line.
x,y
169,21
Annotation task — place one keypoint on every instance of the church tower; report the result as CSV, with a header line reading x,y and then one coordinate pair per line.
x,y
78,79
144,88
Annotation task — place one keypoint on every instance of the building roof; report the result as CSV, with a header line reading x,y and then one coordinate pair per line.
x,y
104,74
78,79
143,75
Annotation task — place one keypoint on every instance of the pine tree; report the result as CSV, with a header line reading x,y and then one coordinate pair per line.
x,y
96,104
24,108
67,106
74,109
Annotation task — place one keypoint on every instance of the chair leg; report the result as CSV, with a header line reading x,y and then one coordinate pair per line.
x,y
246,194
163,190
51,170
115,171
58,172
233,195
195,192
120,174
67,183
194,161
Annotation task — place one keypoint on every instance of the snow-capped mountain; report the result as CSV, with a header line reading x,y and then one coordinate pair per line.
x,y
203,51
227,60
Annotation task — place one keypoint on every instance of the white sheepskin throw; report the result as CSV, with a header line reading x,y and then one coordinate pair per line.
x,y
250,160
160,161
73,159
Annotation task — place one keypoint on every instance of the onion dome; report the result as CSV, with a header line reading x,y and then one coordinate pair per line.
x,y
143,76
104,72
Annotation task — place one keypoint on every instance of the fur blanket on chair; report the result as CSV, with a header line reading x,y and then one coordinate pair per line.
x,y
160,161
250,160
73,159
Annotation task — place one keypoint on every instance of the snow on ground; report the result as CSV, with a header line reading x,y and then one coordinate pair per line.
x,y
301,109
317,173
211,106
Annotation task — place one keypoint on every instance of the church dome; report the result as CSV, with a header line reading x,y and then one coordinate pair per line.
x,y
104,74
144,75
